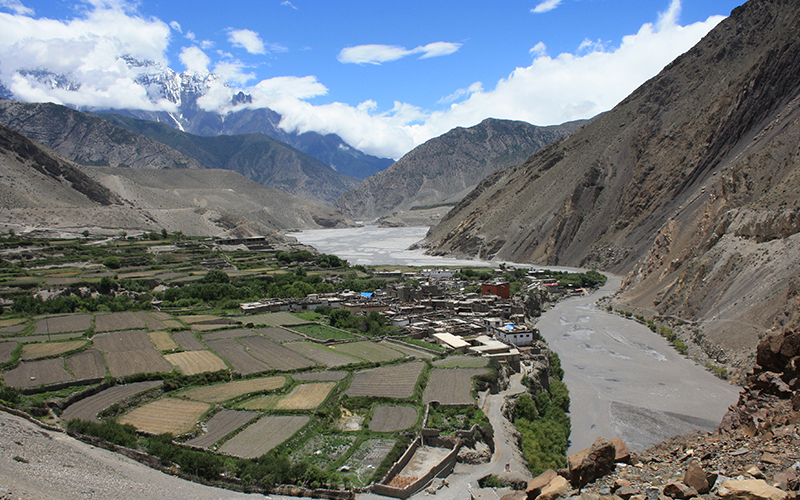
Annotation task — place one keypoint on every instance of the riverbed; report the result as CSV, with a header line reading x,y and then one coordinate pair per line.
x,y
624,380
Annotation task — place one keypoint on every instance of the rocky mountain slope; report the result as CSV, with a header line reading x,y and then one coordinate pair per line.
x,y
690,187
257,156
125,142
43,191
444,169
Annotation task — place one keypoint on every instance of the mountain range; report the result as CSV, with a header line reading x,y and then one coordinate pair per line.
x,y
690,188
45,193
444,169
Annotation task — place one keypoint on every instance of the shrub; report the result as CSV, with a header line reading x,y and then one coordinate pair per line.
x,y
112,262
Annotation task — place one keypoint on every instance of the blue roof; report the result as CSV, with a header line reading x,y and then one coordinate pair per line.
x,y
509,326
366,294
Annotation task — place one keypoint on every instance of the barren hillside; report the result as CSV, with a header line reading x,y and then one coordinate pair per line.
x,y
690,186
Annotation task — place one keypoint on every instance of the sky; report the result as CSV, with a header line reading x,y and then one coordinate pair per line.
x,y
385,76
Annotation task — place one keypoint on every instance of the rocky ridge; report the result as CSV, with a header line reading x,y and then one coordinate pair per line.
x,y
444,169
690,188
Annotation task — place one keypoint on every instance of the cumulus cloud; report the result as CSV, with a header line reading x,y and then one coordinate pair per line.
x,y
546,6
377,54
194,59
247,40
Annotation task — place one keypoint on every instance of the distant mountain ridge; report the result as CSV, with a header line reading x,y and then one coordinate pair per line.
x,y
690,187
45,192
444,169
118,141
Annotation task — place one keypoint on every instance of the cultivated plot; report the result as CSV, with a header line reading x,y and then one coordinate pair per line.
x,y
35,373
229,334
123,341
59,324
261,403
370,351
278,334
6,349
176,416
323,450
43,350
275,319
124,363
110,322
87,364
218,393
187,341
323,332
193,362
461,362
393,418
321,354
235,354
220,425
264,435
306,396
88,408
410,351
452,386
13,325
274,354
157,320
386,381
332,375
163,341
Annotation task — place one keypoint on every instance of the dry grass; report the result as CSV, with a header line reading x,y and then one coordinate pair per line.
x,y
229,390
193,362
163,341
176,416
34,351
306,396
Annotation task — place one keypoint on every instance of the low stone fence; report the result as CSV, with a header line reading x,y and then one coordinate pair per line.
x,y
445,467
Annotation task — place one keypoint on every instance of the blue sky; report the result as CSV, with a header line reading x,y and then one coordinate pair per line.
x,y
386,76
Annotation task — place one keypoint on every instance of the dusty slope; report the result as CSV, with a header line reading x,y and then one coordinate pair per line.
x,y
42,190
446,168
691,185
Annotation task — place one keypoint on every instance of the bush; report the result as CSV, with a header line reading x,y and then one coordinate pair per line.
x,y
111,431
112,262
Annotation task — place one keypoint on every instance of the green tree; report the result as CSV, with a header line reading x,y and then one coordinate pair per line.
x,y
216,276
112,262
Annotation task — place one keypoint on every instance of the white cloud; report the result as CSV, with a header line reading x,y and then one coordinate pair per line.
x,y
538,50
248,40
233,72
458,94
194,59
377,54
546,6
176,26
16,7
287,3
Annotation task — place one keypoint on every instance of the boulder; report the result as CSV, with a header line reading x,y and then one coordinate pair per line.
x,y
679,491
623,453
750,489
593,463
695,477
536,484
557,488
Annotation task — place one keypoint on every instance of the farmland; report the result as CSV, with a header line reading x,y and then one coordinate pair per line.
x,y
275,319
220,425
236,354
393,418
262,436
275,355
176,416
396,381
370,351
47,349
321,354
193,362
163,341
306,396
451,386
222,392
187,341
88,408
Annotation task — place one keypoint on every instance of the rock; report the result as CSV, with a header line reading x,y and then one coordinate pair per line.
x,y
557,488
786,480
592,463
679,491
626,492
536,484
623,453
695,477
620,483
750,489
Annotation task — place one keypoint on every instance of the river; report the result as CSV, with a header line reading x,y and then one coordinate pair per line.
x,y
624,380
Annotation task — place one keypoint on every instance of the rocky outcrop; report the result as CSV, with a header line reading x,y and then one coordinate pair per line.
x,y
444,169
689,187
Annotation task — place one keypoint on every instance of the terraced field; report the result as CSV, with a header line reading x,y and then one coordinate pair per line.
x,y
386,381
218,393
393,418
235,354
370,351
46,349
275,355
451,386
194,362
321,354
262,436
88,408
177,416
306,396
220,425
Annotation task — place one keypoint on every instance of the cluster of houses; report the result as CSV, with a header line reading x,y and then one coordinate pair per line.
x,y
490,323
